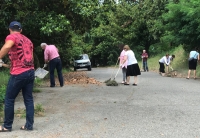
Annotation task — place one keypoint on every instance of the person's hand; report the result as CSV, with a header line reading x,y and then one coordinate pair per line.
x,y
1,61
45,65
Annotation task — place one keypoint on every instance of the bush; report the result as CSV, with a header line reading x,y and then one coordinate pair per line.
x,y
4,73
2,95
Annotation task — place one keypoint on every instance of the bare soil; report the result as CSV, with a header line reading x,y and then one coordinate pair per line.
x,y
79,77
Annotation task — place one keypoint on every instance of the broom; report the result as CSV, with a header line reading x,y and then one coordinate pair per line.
x,y
113,82
112,73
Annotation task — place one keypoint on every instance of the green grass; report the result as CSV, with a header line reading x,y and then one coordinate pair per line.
x,y
38,111
36,90
4,76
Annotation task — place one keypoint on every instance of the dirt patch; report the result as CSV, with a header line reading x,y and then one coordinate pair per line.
x,y
79,77
171,74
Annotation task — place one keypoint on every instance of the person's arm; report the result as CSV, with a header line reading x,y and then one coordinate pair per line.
x,y
147,55
125,59
6,65
165,60
6,47
169,60
46,56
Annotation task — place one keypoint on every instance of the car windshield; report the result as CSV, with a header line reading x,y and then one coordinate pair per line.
x,y
81,57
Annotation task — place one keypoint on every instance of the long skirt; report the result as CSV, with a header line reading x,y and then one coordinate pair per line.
x,y
133,70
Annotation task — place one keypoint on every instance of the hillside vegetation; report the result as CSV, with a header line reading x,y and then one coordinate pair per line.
x,y
180,63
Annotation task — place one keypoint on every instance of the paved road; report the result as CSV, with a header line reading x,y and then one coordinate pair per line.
x,y
159,107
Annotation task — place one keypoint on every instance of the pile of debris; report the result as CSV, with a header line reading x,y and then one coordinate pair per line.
x,y
79,77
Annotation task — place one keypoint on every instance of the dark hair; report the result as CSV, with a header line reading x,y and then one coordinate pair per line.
x,y
121,46
173,56
16,28
196,48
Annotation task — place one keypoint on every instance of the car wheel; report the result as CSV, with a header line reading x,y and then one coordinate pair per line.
x,y
89,68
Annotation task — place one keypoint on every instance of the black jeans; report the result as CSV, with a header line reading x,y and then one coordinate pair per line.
x,y
55,64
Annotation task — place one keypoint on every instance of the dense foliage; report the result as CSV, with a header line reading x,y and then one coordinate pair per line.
x,y
87,26
182,23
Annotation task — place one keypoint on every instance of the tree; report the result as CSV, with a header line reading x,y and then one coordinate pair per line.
x,y
182,23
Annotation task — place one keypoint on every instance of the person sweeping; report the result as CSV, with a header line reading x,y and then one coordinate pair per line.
x,y
123,66
132,65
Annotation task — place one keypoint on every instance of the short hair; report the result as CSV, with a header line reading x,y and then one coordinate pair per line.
x,y
173,56
121,46
43,44
127,47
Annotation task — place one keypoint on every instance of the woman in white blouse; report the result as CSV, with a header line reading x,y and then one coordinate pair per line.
x,y
132,66
165,60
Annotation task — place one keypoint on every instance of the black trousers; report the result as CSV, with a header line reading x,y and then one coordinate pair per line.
x,y
162,67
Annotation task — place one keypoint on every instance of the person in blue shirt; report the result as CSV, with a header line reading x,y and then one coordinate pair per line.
x,y
193,63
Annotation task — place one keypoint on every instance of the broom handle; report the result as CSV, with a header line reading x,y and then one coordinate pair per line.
x,y
171,67
117,72
115,67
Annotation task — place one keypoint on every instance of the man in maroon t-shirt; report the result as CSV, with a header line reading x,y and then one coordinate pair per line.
x,y
144,60
20,51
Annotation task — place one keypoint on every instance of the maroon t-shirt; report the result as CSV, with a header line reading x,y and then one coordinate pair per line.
x,y
21,54
145,56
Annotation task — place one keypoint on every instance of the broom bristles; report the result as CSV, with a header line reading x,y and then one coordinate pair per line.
x,y
107,80
112,83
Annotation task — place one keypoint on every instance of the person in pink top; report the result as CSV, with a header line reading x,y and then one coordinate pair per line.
x,y
52,57
22,76
123,65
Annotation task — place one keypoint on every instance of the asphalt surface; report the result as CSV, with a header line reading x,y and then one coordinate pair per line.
x,y
159,107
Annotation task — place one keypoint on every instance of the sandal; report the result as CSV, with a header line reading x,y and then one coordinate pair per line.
x,y
126,83
3,129
134,84
24,128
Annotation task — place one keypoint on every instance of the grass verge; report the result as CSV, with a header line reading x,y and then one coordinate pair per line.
x,y
180,63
